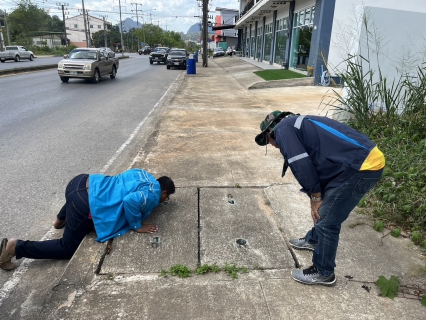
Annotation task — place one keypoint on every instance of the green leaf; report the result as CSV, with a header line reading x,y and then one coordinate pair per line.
x,y
378,226
415,236
388,288
424,300
396,232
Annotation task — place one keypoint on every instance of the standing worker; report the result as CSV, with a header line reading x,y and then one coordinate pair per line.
x,y
112,205
336,166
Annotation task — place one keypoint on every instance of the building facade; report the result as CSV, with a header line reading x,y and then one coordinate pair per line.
x,y
298,34
228,36
76,31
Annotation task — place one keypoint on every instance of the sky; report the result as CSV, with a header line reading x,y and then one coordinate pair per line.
x,y
171,15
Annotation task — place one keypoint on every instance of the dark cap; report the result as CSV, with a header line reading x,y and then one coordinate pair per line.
x,y
269,123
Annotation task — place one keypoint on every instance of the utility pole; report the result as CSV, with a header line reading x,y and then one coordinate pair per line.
x,y
85,24
137,19
63,19
7,27
205,32
88,29
121,31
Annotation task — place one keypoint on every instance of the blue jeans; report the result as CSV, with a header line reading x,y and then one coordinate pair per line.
x,y
336,206
77,225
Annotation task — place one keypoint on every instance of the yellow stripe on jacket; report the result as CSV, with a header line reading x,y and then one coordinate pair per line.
x,y
375,161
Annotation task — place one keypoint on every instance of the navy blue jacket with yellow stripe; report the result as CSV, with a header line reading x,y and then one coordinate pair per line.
x,y
321,152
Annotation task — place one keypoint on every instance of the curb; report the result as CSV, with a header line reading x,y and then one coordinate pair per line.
x,y
28,69
283,83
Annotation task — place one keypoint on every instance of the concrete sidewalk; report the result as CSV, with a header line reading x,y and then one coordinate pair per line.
x,y
229,189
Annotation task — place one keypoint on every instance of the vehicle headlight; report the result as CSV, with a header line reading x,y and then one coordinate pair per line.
x,y
87,66
60,65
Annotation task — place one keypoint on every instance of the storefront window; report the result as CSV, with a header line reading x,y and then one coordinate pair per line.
x,y
301,39
281,35
253,47
280,45
268,43
258,42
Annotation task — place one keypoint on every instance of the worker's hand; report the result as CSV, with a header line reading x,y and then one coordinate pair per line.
x,y
147,228
314,210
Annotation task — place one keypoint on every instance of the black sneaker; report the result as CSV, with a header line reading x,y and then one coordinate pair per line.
x,y
311,276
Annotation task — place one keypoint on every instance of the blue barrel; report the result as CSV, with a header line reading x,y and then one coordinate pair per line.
x,y
196,57
190,66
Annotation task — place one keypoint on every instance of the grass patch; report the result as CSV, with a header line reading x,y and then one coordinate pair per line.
x,y
269,75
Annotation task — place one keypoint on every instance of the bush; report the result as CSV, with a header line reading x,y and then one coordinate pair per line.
x,y
394,117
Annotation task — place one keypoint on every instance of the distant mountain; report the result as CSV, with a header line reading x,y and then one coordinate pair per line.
x,y
129,24
196,28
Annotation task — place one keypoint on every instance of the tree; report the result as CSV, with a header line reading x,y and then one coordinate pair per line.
x,y
150,34
26,19
113,38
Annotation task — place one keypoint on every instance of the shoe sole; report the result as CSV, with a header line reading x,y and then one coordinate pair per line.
x,y
327,284
302,248
60,226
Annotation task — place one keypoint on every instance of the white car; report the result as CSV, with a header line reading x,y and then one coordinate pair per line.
x,y
217,52
16,53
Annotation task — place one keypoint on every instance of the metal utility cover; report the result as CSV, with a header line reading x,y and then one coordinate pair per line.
x,y
250,218
177,222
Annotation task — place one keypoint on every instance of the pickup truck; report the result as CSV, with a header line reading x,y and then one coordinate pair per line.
x,y
88,63
16,53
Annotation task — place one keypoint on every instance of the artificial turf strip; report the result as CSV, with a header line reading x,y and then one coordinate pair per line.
x,y
269,75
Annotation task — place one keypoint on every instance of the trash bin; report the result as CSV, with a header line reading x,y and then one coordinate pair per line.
x,y
196,56
190,66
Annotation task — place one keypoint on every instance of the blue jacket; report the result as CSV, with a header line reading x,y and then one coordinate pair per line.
x,y
120,203
321,152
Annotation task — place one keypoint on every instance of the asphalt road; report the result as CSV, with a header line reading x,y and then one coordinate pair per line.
x,y
51,131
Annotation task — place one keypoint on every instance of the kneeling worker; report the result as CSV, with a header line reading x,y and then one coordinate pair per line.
x,y
112,205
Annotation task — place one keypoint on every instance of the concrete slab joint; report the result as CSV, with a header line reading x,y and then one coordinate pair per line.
x,y
204,225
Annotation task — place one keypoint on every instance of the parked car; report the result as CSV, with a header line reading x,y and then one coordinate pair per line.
x,y
218,52
16,53
88,63
158,55
176,58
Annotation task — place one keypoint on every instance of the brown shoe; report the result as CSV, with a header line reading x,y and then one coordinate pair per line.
x,y
58,224
5,258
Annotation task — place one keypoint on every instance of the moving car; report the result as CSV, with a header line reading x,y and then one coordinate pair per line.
x,y
218,52
88,63
16,53
176,58
180,49
158,55
145,50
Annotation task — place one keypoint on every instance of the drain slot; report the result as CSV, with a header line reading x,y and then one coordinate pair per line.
x,y
230,199
155,242
241,242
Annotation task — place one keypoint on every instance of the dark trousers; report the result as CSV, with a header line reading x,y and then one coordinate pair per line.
x,y
336,206
75,211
